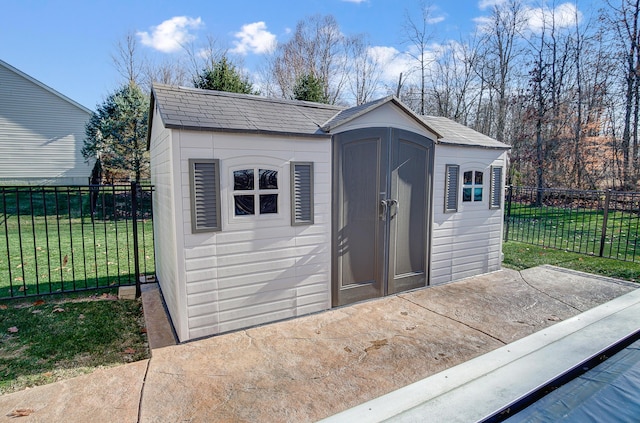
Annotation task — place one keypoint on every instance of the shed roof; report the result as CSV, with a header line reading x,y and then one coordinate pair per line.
x,y
196,109
192,108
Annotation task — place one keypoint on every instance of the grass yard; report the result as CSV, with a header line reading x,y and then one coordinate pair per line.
x,y
53,338
577,230
54,245
518,256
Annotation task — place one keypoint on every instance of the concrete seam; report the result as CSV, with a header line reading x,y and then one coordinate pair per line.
x,y
547,294
455,320
144,382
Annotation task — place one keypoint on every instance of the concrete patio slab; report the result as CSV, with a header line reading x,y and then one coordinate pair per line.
x,y
312,367
104,396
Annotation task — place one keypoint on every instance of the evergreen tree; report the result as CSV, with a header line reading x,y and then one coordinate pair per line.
x,y
310,88
116,134
224,76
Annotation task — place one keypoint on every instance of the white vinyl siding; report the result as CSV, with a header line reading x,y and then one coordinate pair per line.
x,y
469,242
302,193
41,134
258,268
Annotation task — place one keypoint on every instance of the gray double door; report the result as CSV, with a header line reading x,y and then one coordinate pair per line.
x,y
381,213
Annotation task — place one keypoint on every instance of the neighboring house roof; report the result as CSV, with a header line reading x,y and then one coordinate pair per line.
x,y
43,86
192,108
197,109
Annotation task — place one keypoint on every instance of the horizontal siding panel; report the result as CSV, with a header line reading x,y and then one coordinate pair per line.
x,y
250,268
258,299
203,324
241,323
253,289
314,299
259,312
200,252
201,263
202,286
202,303
201,275
248,280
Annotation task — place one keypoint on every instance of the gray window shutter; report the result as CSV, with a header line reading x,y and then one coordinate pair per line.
x,y
496,187
301,193
451,188
204,181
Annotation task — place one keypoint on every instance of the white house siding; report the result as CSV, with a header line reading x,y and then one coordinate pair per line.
x,y
41,134
469,241
258,268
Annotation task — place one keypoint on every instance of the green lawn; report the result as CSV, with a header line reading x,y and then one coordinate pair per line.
x,y
52,338
577,230
518,255
49,243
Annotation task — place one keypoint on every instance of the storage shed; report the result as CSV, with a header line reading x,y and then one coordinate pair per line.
x,y
268,209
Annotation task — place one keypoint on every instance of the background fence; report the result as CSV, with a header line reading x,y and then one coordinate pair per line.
x,y
602,223
71,238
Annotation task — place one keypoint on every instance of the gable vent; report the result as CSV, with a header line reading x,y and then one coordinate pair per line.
x,y
301,193
205,195
451,188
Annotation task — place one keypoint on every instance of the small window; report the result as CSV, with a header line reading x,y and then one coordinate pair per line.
x,y
452,174
496,187
250,201
472,186
301,193
204,184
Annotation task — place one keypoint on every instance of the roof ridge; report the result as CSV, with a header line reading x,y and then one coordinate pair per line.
x,y
252,97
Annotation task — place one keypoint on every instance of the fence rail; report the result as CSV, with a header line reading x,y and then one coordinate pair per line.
x,y
73,238
601,223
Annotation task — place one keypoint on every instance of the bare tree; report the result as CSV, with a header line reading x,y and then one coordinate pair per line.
x,y
499,53
127,59
364,71
316,48
418,34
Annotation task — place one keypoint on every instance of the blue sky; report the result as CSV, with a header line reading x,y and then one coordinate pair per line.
x,y
68,44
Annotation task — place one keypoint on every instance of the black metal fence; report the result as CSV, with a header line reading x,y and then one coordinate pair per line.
x,y
601,223
71,238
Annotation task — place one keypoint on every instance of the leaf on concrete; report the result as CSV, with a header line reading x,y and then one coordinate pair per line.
x,y
20,412
376,345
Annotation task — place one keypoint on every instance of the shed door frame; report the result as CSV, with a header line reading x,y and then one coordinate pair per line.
x,y
371,160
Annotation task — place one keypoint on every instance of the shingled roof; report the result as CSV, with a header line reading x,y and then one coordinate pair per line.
x,y
196,109
206,110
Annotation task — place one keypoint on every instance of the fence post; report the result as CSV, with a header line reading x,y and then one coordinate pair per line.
x,y
605,218
507,216
134,214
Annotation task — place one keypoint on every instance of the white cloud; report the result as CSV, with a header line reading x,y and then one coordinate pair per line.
x,y
435,20
254,38
392,62
563,16
172,34
486,4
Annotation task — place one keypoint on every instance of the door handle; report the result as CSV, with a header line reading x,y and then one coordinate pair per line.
x,y
386,208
